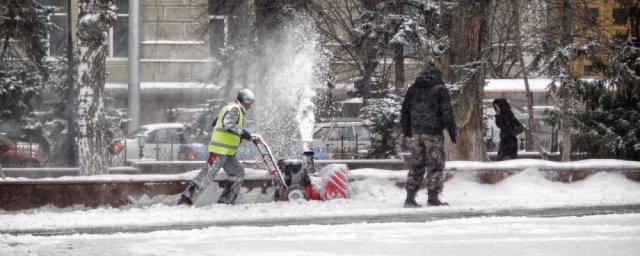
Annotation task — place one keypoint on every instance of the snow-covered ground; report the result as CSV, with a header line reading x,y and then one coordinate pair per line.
x,y
370,196
594,235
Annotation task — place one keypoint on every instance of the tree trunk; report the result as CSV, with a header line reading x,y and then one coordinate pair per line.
x,y
94,20
566,129
398,59
531,135
466,31
368,55
567,98
398,55
70,111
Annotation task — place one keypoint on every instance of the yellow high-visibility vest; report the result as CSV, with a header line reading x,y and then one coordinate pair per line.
x,y
224,142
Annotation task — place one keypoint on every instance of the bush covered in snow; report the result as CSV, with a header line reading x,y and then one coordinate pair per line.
x,y
382,117
609,126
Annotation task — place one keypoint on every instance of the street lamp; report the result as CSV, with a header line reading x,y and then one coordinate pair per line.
x,y
141,139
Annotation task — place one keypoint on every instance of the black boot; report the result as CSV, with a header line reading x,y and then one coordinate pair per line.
x,y
433,198
191,190
185,200
410,202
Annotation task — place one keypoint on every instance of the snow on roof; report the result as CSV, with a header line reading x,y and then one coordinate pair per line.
x,y
163,126
188,42
164,85
516,85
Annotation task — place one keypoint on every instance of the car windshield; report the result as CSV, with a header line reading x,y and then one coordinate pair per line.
x,y
136,132
320,134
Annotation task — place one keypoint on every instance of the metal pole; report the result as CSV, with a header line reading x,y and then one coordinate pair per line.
x,y
171,153
134,65
125,151
157,148
356,133
71,94
342,144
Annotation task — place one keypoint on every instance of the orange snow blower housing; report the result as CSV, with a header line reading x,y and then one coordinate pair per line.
x,y
296,180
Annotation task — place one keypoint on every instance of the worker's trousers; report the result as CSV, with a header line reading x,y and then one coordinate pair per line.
x,y
230,165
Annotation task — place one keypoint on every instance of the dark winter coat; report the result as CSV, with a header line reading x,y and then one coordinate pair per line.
x,y
426,108
507,123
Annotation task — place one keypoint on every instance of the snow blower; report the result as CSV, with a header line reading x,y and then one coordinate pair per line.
x,y
294,180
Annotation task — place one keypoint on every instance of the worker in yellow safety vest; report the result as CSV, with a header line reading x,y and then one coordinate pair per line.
x,y
228,132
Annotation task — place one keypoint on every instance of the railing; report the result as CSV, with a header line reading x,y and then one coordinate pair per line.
x,y
23,154
161,149
354,148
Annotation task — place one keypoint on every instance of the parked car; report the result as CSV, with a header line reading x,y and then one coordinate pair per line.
x,y
164,142
14,153
340,140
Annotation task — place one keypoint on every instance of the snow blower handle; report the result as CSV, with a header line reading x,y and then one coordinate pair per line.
x,y
256,139
269,160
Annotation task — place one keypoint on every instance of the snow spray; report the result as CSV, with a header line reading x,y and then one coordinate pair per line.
x,y
296,67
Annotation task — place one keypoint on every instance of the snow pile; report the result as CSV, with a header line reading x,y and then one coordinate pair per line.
x,y
370,196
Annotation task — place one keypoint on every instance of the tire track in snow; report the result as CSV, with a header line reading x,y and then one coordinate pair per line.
x,y
551,212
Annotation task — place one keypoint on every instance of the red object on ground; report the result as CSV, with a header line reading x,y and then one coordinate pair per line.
x,y
334,184
20,154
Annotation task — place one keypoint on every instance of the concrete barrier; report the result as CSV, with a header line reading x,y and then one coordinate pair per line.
x,y
55,172
22,194
116,190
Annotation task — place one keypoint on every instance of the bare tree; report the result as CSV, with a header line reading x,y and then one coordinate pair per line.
x,y
94,20
464,71
368,39
532,137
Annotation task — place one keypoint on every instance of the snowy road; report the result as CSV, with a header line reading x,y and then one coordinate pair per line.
x,y
408,217
492,236
608,203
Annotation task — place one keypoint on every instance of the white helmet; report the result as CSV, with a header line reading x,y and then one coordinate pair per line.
x,y
246,96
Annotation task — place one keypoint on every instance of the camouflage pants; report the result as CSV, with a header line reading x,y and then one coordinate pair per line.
x,y
427,155
235,173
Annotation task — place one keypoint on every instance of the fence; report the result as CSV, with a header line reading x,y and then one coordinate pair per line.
x,y
160,148
341,147
21,154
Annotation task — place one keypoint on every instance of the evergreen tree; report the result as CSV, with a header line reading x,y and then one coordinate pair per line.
x,y
382,117
24,70
609,126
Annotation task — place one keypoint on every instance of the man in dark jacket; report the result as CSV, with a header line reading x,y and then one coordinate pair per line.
x,y
426,111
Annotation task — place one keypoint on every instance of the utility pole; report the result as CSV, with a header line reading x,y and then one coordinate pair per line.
x,y
71,94
134,66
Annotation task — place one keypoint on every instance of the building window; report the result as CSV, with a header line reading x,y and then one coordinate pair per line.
x,y
218,26
58,37
620,16
217,34
119,33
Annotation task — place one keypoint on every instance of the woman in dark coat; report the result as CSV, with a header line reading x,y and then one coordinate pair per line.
x,y
508,124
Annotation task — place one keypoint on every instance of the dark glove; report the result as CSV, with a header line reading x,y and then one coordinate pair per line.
x,y
246,135
453,134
